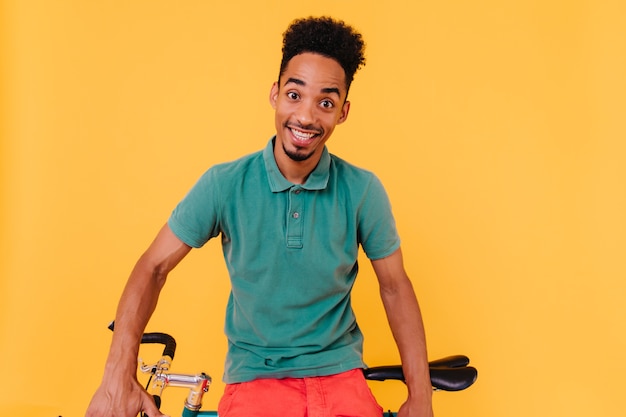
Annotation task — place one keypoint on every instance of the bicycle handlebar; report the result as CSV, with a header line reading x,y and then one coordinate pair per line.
x,y
168,342
161,338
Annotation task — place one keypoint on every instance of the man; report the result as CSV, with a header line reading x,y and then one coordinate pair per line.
x,y
291,220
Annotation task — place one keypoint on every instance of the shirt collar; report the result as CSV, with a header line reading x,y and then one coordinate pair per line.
x,y
318,179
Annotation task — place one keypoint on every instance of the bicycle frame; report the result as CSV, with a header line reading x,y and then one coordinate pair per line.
x,y
190,413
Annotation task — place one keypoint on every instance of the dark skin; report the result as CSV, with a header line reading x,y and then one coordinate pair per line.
x,y
309,102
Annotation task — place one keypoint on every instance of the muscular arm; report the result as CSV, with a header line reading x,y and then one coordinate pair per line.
x,y
120,395
405,321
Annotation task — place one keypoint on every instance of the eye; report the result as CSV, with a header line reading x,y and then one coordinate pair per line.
x,y
327,104
293,95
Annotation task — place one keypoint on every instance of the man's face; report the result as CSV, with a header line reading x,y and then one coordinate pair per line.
x,y
309,102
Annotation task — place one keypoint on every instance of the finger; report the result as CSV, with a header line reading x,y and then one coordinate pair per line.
x,y
150,409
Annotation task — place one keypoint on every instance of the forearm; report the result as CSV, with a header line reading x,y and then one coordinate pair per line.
x,y
134,310
139,299
405,321
120,395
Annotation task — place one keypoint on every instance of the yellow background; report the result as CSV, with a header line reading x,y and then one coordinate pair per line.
x,y
496,126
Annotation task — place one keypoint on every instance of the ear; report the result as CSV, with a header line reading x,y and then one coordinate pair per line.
x,y
274,95
344,112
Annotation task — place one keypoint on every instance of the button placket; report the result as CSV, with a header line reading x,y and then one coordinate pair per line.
x,y
294,218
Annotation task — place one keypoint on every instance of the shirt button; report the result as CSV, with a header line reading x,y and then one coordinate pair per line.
x,y
295,215
298,191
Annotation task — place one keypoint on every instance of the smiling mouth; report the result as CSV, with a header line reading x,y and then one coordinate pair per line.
x,y
302,136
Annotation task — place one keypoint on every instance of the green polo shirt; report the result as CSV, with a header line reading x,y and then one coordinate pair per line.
x,y
291,252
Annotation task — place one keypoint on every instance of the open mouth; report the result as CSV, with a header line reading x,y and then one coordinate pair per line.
x,y
302,136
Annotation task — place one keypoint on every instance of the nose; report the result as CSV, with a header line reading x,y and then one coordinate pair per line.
x,y
305,113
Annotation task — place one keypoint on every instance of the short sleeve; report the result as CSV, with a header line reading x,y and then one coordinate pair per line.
x,y
195,219
377,227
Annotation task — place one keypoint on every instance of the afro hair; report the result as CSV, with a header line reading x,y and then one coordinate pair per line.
x,y
328,37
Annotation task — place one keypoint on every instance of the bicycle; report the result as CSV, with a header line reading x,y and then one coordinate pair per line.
x,y
451,373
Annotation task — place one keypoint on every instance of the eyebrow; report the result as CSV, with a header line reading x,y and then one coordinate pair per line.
x,y
327,90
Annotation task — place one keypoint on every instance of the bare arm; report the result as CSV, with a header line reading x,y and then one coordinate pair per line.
x,y
405,321
120,395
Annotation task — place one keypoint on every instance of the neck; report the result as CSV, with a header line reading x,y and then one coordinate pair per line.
x,y
296,172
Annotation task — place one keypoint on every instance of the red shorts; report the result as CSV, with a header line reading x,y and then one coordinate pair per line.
x,y
341,395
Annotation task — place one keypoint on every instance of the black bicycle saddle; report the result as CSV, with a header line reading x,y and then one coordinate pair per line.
x,y
451,373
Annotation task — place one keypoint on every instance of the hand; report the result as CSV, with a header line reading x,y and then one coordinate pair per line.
x,y
416,407
122,399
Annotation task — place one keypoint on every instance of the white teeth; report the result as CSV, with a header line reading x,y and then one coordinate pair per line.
x,y
301,135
